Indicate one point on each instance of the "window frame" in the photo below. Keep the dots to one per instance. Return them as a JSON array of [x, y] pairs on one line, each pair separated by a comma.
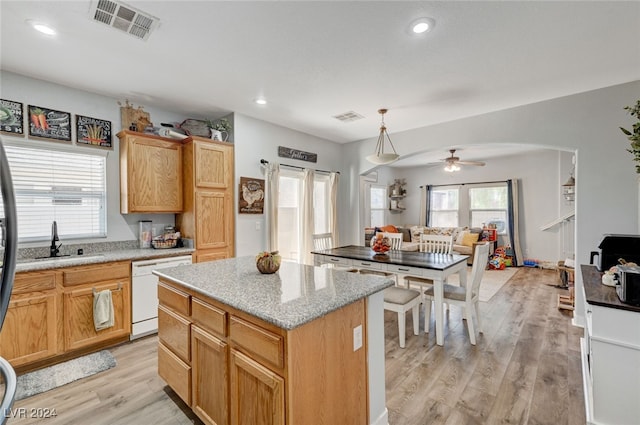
[[60, 198]]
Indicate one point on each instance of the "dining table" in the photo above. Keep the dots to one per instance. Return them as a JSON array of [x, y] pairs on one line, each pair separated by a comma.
[[437, 267]]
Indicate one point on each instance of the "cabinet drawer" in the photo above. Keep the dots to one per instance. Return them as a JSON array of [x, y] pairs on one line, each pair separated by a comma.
[[33, 281], [95, 273], [174, 299], [414, 271], [209, 317], [258, 341], [334, 260], [175, 372], [367, 265], [175, 333]]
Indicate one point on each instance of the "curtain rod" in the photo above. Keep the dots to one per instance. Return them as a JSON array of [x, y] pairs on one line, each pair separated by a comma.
[[463, 184], [265, 162]]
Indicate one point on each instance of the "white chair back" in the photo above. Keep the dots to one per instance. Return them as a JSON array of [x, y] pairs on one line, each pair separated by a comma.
[[395, 239], [480, 258], [438, 244], [322, 241]]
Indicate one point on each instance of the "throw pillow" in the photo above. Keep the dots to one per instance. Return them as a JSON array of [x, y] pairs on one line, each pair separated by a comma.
[[389, 228], [460, 237], [416, 231], [469, 238]]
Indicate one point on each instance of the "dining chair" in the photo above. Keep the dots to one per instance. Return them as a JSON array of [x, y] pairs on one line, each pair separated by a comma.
[[322, 241], [395, 239], [465, 297], [401, 300], [437, 244]]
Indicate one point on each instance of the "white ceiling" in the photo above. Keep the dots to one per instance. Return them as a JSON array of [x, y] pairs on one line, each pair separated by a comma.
[[313, 60]]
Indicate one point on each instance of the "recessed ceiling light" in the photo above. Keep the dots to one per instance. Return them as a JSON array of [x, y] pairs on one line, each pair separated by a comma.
[[261, 101], [41, 27], [422, 25]]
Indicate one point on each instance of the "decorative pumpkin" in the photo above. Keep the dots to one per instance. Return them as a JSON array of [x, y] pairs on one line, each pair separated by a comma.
[[268, 262]]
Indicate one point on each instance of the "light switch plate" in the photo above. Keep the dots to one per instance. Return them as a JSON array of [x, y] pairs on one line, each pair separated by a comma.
[[357, 338]]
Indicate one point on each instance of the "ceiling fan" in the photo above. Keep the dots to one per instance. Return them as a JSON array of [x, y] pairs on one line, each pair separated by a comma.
[[453, 162]]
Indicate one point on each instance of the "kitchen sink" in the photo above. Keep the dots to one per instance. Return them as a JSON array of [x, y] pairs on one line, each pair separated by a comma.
[[57, 260]]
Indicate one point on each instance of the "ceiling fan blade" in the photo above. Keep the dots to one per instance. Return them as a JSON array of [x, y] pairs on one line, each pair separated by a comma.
[[480, 163]]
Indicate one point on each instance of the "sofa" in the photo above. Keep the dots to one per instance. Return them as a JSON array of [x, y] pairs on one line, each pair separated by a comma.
[[464, 239]]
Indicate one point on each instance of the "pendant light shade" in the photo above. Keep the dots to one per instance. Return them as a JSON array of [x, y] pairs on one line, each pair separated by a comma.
[[379, 157]]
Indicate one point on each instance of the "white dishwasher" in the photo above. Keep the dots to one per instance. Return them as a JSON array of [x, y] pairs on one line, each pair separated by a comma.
[[144, 293]]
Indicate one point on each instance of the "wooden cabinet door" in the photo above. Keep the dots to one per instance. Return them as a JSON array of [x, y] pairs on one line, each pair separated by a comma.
[[29, 332], [204, 256], [153, 175], [213, 166], [79, 329], [257, 393], [209, 377], [213, 219]]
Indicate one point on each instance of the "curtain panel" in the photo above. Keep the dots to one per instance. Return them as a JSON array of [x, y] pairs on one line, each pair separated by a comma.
[[272, 177]]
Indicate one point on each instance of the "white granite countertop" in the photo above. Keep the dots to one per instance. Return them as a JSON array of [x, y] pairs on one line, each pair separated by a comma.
[[293, 296], [26, 265]]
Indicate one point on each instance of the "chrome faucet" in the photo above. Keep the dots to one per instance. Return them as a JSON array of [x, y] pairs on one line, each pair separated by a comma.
[[54, 250]]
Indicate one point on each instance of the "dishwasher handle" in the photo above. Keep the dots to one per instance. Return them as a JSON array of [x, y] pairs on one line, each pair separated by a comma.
[[145, 267]]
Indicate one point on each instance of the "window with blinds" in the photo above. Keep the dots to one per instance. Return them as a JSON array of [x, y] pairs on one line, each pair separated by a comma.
[[64, 186]]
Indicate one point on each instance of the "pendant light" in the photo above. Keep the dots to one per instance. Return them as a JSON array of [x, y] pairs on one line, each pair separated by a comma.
[[379, 157]]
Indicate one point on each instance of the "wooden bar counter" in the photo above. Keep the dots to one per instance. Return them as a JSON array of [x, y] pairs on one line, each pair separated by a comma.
[[302, 346]]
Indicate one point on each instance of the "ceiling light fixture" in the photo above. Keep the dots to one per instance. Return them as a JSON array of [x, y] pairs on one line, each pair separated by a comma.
[[451, 168], [379, 157], [422, 25], [261, 101], [42, 28]]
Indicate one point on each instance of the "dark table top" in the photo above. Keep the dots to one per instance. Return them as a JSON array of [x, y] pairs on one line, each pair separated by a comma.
[[425, 260], [599, 294]]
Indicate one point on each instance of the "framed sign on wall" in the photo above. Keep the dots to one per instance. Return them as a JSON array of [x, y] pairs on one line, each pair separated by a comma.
[[251, 199], [93, 131], [11, 117], [49, 124]]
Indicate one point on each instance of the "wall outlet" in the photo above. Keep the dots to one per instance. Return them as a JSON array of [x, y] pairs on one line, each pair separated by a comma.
[[258, 226], [357, 338]]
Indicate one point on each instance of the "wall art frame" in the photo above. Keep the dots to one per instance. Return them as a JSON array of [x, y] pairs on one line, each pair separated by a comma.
[[94, 132], [11, 117], [49, 124]]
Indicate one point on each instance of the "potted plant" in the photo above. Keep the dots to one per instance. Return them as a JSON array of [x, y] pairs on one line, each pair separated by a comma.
[[218, 127], [634, 134]]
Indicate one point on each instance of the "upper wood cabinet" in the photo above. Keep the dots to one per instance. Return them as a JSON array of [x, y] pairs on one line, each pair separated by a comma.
[[208, 213], [150, 174]]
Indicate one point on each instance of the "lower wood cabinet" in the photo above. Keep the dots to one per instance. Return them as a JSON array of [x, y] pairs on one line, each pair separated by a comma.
[[51, 313], [257, 393], [241, 370], [79, 330], [209, 395], [32, 326], [175, 372], [29, 332]]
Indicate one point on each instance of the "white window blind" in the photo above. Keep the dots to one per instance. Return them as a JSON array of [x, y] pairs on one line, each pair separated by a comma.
[[67, 187]]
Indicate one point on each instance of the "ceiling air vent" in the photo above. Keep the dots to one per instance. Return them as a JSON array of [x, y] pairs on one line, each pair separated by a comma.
[[348, 116], [123, 17]]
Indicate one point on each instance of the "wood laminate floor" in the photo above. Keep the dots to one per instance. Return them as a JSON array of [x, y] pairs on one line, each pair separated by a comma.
[[524, 370]]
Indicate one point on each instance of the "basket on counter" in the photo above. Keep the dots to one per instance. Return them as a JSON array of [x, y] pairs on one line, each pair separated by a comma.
[[164, 244]]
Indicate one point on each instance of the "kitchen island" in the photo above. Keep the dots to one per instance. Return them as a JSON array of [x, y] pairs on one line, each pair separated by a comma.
[[302, 346]]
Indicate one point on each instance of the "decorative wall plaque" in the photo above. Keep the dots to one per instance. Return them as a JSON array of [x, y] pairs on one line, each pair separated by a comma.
[[251, 199], [296, 154], [11, 117]]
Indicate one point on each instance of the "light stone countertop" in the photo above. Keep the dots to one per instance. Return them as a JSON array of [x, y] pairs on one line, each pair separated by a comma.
[[291, 297], [26, 265]]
